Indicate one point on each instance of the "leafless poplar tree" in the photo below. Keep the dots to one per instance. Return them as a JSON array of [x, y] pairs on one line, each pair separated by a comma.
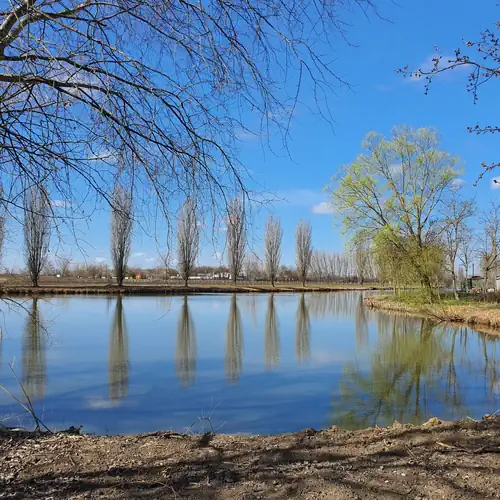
[[253, 267], [37, 227], [80, 80], [63, 264], [466, 256], [272, 242], [2, 226], [362, 259], [489, 242], [455, 215], [303, 250], [236, 237], [318, 270], [188, 239], [121, 231]]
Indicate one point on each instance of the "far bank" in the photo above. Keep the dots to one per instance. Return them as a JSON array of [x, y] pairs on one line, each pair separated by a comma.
[[147, 289]]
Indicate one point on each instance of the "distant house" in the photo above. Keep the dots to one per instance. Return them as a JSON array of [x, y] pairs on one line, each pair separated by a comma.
[[475, 282], [221, 276]]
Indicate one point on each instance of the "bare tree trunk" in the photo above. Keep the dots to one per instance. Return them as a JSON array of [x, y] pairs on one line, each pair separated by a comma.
[[454, 284], [466, 266]]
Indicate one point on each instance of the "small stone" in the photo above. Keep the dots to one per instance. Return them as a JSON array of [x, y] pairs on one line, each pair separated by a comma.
[[432, 422]]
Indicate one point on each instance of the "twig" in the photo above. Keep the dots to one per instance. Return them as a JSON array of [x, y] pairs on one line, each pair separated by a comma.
[[202, 419], [28, 406], [492, 414]]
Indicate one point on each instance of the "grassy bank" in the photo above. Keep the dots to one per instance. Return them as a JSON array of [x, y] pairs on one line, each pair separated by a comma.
[[158, 289], [432, 461], [470, 312]]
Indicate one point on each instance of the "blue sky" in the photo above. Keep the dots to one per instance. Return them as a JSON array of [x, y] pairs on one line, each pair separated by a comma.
[[377, 100]]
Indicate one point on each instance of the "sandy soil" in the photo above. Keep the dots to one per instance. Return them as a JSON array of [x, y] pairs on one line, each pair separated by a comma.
[[433, 461]]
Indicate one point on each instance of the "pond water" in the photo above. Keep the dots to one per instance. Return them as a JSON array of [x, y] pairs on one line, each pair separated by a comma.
[[251, 363]]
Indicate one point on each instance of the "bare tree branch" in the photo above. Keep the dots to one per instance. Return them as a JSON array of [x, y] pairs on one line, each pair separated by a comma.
[[170, 84]]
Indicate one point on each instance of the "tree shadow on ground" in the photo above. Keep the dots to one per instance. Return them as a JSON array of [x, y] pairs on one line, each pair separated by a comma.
[[455, 461]]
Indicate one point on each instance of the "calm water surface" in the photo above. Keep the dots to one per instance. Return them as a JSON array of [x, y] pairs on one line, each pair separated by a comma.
[[252, 363]]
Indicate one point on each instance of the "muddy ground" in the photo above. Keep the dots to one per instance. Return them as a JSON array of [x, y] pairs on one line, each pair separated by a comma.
[[444, 461]]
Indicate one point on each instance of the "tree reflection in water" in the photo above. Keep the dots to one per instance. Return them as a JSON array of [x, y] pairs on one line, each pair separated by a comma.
[[361, 323], [414, 362], [34, 375], [185, 347], [118, 364], [234, 342], [271, 335], [302, 331]]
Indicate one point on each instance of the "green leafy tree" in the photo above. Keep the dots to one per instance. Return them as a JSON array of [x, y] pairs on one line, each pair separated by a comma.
[[397, 185]]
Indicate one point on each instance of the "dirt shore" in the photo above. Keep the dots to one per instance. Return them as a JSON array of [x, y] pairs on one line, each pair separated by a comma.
[[485, 317], [173, 290], [432, 461]]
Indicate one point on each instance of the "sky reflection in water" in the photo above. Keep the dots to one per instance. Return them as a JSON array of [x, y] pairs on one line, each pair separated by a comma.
[[253, 363]]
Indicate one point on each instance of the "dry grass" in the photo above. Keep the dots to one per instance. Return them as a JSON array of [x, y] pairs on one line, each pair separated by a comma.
[[483, 315], [148, 288]]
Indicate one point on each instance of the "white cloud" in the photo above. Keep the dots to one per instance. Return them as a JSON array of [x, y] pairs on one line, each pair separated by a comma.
[[60, 203], [457, 184], [100, 260], [217, 256], [137, 255], [323, 208], [100, 404], [246, 135], [150, 259], [495, 183]]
